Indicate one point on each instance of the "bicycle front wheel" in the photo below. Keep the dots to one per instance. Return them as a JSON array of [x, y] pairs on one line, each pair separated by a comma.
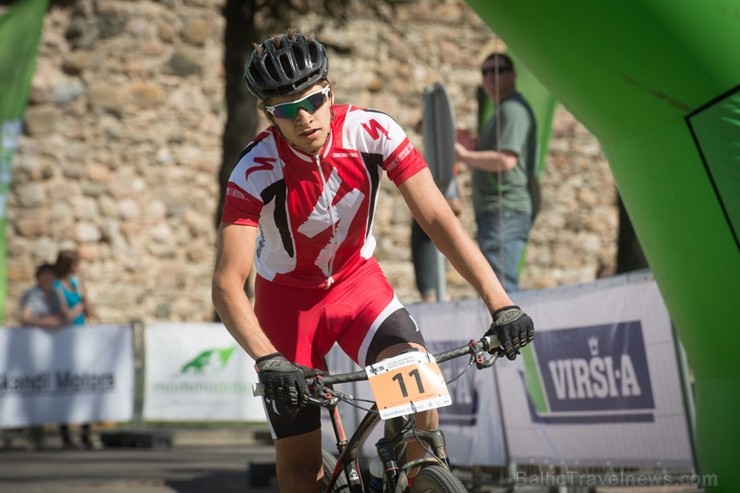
[[328, 462], [436, 479]]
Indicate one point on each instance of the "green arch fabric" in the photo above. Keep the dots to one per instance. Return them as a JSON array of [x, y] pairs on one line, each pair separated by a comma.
[[658, 83], [20, 30]]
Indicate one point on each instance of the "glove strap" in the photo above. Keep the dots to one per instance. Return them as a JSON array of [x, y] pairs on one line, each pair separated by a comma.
[[508, 307], [266, 357]]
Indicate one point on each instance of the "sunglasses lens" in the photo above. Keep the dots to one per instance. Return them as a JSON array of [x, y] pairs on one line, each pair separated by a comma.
[[315, 102], [311, 103], [287, 110]]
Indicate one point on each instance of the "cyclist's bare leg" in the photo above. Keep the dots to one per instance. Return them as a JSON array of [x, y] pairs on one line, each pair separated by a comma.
[[298, 462], [426, 420]]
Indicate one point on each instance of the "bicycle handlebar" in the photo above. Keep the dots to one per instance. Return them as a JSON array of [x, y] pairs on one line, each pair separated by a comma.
[[473, 348]]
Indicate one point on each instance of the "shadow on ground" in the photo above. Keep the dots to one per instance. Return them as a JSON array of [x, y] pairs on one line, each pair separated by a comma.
[[220, 481]]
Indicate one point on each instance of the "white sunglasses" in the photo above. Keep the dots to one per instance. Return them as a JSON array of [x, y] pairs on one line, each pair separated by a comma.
[[289, 110]]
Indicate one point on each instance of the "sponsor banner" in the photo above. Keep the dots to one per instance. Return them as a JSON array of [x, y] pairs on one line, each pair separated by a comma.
[[198, 372], [472, 424], [601, 383], [70, 375]]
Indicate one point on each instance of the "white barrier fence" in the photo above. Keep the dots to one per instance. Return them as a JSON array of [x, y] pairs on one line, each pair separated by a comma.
[[71, 375], [600, 386], [197, 372]]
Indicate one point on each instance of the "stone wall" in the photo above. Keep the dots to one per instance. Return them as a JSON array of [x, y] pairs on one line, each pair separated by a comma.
[[121, 149]]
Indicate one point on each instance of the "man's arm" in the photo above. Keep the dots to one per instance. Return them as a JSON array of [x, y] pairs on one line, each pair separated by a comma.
[[494, 161], [45, 322], [234, 255], [431, 211]]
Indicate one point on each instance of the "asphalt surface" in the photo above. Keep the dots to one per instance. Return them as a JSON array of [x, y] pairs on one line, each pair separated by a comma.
[[220, 462], [194, 461]]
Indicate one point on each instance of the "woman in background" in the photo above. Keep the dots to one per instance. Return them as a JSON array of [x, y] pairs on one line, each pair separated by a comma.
[[70, 288], [75, 305]]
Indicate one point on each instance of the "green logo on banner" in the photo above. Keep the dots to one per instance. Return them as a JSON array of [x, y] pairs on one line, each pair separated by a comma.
[[209, 361]]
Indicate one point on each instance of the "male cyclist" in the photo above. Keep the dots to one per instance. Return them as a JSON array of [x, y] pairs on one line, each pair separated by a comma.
[[300, 203]]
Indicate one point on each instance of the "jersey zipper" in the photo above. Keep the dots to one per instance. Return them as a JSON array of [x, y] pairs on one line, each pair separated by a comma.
[[332, 219]]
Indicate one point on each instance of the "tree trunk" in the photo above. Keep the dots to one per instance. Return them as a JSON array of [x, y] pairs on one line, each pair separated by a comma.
[[241, 106]]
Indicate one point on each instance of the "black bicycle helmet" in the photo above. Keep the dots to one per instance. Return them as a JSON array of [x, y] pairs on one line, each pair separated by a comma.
[[285, 65]]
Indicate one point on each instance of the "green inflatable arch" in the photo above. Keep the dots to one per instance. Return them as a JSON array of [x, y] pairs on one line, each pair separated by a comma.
[[658, 83]]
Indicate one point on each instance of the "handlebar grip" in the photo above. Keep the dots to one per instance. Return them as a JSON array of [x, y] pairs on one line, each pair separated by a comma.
[[258, 389], [492, 342]]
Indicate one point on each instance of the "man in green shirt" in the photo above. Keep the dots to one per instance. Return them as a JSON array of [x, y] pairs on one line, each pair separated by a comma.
[[502, 160]]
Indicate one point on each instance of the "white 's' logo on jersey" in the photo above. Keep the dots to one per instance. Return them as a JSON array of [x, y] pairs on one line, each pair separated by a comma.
[[342, 214]]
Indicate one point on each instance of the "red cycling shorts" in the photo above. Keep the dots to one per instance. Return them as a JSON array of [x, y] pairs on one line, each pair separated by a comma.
[[361, 313]]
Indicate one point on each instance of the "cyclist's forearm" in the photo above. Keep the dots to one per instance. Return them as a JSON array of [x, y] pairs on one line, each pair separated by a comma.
[[467, 259], [236, 313], [431, 211]]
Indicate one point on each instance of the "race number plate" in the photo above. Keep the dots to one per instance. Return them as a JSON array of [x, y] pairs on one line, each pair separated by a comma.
[[406, 384]]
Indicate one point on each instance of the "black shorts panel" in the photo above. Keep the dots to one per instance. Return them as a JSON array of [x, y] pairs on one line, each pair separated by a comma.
[[397, 328], [307, 419]]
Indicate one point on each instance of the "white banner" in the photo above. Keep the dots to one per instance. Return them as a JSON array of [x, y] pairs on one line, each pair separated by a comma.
[[601, 384], [70, 375], [198, 372], [472, 424]]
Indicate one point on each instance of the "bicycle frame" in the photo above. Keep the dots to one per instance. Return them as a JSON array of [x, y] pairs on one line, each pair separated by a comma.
[[349, 450]]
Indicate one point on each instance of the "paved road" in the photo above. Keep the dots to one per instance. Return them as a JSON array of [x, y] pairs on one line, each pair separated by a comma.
[[198, 463], [205, 461], [222, 469]]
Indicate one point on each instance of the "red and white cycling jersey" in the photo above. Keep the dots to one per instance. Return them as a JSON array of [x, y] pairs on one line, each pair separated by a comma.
[[315, 212]]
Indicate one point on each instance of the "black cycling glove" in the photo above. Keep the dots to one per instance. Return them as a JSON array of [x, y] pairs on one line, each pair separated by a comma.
[[513, 328], [285, 383]]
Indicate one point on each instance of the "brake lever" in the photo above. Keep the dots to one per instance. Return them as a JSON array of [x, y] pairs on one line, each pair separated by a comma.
[[478, 355], [482, 362]]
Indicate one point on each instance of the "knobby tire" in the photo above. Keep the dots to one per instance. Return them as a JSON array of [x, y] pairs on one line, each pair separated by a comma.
[[436, 479], [328, 462]]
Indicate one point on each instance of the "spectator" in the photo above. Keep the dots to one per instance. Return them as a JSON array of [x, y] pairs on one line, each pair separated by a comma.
[[503, 160], [75, 305], [70, 288], [40, 305]]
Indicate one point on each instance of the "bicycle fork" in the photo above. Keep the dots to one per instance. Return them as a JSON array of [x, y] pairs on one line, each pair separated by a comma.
[[392, 450]]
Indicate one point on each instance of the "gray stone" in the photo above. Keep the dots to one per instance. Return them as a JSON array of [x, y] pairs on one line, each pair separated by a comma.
[[40, 121], [64, 93], [86, 231], [31, 194], [183, 64]]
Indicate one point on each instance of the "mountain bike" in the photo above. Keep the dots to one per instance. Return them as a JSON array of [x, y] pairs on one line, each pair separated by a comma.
[[402, 385]]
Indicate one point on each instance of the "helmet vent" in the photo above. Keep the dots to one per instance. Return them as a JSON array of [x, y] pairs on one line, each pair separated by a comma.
[[287, 66], [299, 59], [313, 53]]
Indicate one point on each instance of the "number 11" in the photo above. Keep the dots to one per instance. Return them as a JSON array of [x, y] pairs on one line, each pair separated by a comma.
[[413, 373]]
